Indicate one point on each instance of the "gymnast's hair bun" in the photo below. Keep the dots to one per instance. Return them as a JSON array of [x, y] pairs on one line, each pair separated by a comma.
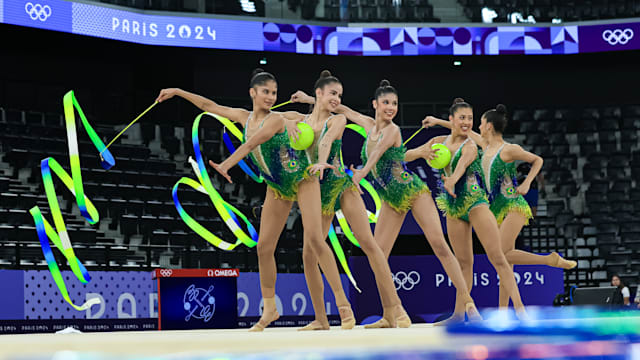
[[458, 101], [325, 74], [501, 109], [384, 83], [256, 71]]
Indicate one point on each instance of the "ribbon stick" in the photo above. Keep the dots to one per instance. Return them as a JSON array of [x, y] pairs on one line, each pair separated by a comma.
[[128, 126], [73, 183], [411, 137], [283, 104]]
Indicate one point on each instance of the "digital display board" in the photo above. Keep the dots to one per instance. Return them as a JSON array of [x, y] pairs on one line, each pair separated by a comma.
[[208, 32]]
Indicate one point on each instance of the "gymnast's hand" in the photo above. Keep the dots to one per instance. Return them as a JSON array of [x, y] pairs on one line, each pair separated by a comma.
[[523, 189], [358, 175], [166, 94], [319, 168], [292, 129], [219, 168], [449, 185], [301, 97], [429, 121], [428, 152]]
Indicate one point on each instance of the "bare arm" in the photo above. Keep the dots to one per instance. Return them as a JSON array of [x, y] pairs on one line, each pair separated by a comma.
[[625, 296], [335, 129], [365, 121], [301, 97], [469, 154], [430, 121], [292, 118], [514, 152], [272, 126], [423, 151], [234, 114], [389, 137], [292, 115]]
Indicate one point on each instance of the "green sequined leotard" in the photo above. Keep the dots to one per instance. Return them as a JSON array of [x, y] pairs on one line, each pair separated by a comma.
[[281, 166], [469, 189], [334, 182], [500, 179], [396, 185]]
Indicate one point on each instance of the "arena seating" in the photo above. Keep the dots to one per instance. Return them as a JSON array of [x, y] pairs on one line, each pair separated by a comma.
[[358, 10], [546, 10], [408, 10]]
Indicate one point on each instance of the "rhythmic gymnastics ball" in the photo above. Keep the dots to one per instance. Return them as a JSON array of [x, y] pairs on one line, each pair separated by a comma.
[[443, 156], [305, 137]]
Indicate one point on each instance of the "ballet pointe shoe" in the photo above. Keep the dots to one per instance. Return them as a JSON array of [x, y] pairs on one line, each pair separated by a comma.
[[472, 312], [399, 318], [380, 324], [347, 320], [315, 325], [455, 318], [269, 303], [402, 319], [560, 262]]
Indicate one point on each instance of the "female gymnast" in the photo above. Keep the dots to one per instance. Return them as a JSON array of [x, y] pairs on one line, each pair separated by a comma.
[[465, 205], [285, 172], [338, 192], [401, 191], [505, 195]]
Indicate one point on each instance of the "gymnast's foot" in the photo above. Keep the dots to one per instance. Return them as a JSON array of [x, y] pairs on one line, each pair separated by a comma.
[[472, 312], [269, 315], [347, 320], [393, 316], [456, 318], [315, 325], [560, 262]]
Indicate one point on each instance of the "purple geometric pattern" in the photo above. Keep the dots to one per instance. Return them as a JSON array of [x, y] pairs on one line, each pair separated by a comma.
[[403, 41]]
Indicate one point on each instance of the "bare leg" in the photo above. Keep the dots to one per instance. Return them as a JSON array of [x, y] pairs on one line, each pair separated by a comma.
[[426, 215], [461, 241], [486, 227], [314, 281], [509, 230], [310, 205], [388, 228], [356, 214], [386, 233], [272, 220]]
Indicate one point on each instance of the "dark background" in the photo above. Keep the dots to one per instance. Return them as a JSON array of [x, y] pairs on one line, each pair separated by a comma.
[[114, 80]]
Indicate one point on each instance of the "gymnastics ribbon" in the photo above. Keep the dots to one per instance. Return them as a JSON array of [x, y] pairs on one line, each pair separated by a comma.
[[344, 225], [233, 129], [228, 212], [60, 236]]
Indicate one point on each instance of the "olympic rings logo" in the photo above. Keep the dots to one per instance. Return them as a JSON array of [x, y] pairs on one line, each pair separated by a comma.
[[166, 272], [37, 11], [406, 281], [617, 36]]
